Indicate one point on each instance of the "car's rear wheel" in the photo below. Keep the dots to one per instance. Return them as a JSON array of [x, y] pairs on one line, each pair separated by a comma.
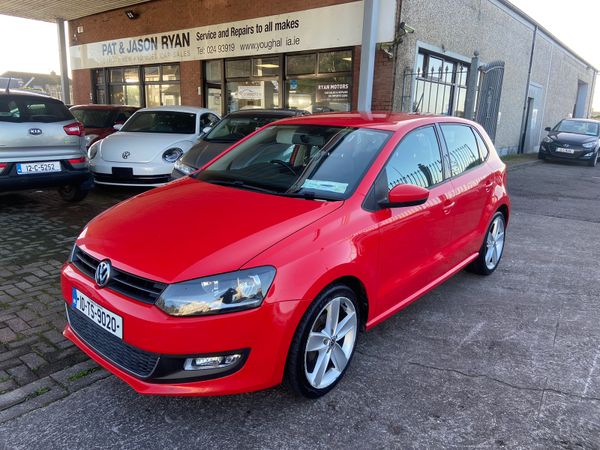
[[324, 343], [493, 247], [73, 192]]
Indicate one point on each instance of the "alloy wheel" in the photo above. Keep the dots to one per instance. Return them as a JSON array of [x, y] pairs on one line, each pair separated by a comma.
[[330, 342], [494, 243]]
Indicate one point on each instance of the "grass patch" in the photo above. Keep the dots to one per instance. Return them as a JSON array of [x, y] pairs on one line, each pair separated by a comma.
[[83, 373], [518, 158], [39, 392]]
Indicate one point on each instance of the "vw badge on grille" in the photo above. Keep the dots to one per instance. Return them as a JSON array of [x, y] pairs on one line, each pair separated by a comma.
[[103, 273], [35, 131], [126, 155]]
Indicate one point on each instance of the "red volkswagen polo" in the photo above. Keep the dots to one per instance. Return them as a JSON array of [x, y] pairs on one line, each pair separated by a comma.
[[270, 260]]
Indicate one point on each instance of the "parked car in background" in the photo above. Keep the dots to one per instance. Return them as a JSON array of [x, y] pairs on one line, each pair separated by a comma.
[[572, 140], [228, 131], [99, 120], [41, 146], [288, 244], [146, 147]]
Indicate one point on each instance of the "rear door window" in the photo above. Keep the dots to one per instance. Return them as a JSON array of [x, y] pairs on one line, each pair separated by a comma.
[[462, 148], [9, 111], [416, 160]]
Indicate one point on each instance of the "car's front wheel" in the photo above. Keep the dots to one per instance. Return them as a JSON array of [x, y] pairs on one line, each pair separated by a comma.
[[493, 247], [594, 161], [73, 192], [324, 342]]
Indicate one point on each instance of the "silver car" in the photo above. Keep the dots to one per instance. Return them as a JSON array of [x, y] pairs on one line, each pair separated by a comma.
[[41, 145]]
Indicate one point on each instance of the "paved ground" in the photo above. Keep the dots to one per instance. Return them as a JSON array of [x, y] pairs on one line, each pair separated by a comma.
[[511, 360]]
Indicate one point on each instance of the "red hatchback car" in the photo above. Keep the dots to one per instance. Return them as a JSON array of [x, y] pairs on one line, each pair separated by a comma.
[[268, 261], [99, 120]]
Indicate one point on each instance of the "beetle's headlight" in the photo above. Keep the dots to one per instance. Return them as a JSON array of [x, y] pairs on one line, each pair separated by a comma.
[[173, 154], [590, 144], [228, 292], [89, 138], [183, 167], [93, 150]]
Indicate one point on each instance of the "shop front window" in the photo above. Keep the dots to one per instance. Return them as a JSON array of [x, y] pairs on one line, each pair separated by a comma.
[[162, 85], [213, 79], [319, 82], [252, 94], [138, 86]]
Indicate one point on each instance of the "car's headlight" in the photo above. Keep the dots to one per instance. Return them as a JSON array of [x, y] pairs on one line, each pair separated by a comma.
[[228, 292], [590, 144], [548, 139], [183, 167], [93, 150], [173, 154], [89, 138]]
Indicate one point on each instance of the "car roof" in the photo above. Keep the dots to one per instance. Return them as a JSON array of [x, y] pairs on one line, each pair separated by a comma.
[[188, 109], [375, 120], [27, 93], [581, 120], [275, 112], [94, 106]]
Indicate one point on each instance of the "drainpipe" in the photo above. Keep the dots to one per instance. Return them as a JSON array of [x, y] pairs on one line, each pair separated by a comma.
[[523, 117], [62, 54], [367, 55]]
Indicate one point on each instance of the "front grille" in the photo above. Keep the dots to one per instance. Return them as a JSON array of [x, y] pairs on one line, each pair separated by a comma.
[[134, 360], [132, 286]]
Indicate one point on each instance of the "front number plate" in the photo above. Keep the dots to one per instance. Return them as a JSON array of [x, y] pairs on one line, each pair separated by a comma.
[[38, 167], [570, 151], [102, 317]]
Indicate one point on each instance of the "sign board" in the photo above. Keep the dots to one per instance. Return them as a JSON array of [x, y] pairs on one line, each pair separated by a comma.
[[326, 27], [333, 92]]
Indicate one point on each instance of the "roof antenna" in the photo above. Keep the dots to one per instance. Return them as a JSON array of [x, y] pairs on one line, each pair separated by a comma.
[[8, 84]]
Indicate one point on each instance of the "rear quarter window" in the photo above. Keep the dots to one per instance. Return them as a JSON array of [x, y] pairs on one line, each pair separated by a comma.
[[463, 151]]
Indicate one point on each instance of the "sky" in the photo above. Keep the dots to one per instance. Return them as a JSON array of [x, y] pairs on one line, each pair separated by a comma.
[[36, 49]]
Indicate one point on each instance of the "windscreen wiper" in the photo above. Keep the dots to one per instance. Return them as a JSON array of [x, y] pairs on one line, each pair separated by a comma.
[[242, 185]]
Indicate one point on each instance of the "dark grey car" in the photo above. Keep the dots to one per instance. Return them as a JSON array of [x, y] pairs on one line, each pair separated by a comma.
[[572, 140], [41, 145], [227, 132]]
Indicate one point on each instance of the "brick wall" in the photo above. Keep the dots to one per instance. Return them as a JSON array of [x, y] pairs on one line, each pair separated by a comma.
[[81, 87]]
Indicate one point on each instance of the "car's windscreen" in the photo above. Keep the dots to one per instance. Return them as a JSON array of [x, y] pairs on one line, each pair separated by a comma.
[[32, 109], [161, 122], [310, 161], [232, 129], [94, 118], [578, 127]]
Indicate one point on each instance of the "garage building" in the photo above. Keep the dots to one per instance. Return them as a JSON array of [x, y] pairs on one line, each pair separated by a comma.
[[483, 59]]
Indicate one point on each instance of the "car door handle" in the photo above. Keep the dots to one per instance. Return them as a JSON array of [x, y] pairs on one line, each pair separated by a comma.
[[448, 205]]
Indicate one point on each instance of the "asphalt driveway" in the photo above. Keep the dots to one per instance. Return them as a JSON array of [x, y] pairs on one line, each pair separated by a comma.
[[511, 360]]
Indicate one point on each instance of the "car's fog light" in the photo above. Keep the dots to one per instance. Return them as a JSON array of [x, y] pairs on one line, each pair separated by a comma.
[[211, 362], [588, 154]]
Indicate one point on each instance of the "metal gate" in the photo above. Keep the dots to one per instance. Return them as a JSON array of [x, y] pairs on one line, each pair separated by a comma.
[[490, 90]]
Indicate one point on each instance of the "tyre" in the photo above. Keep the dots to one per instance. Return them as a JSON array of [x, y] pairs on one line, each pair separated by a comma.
[[324, 342], [492, 249], [594, 161], [541, 155], [73, 193]]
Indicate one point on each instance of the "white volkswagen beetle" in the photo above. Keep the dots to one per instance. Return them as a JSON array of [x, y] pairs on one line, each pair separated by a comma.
[[145, 148]]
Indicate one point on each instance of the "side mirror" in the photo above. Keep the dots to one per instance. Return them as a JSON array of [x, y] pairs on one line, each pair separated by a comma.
[[118, 126], [548, 129], [205, 130], [405, 195]]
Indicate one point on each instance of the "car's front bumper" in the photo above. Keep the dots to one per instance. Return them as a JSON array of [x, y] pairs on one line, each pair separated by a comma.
[[262, 334], [579, 154], [131, 174]]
